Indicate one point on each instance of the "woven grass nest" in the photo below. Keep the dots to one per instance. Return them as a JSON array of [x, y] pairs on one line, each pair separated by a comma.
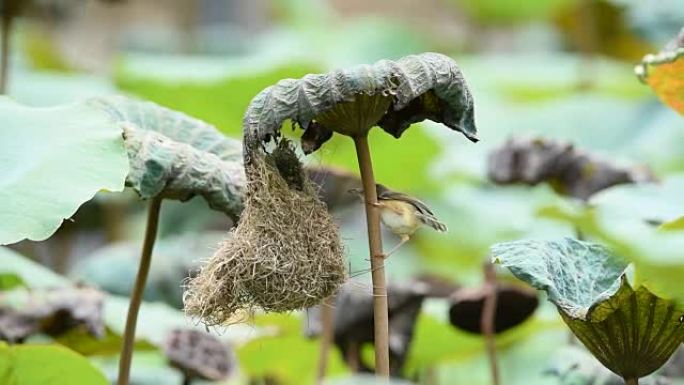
[[285, 253]]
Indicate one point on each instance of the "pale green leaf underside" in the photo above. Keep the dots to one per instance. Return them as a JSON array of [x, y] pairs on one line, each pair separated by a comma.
[[633, 333], [51, 161], [575, 274], [46, 365], [178, 157]]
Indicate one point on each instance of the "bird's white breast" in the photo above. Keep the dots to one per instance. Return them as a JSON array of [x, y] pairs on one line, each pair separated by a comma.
[[400, 220]]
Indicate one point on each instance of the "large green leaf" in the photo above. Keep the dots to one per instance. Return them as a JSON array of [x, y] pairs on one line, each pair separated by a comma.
[[521, 363], [178, 157], [29, 273], [263, 357], [113, 267], [220, 99], [46, 365], [505, 12], [657, 203], [576, 275], [53, 160], [632, 332]]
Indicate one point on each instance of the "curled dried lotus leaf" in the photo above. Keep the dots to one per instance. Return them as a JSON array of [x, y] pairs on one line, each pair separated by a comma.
[[569, 171], [389, 94], [176, 156]]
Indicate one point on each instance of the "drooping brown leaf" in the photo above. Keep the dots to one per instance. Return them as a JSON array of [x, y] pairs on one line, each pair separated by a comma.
[[568, 170], [199, 355], [53, 312]]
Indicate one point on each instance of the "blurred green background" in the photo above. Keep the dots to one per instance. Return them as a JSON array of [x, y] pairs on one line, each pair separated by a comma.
[[559, 69]]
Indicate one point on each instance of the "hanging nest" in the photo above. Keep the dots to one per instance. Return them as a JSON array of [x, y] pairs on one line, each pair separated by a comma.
[[285, 253]]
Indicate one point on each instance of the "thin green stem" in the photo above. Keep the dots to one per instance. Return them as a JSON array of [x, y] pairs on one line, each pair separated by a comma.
[[380, 312], [138, 289]]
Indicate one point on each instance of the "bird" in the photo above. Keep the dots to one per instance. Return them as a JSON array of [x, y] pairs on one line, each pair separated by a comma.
[[402, 214]]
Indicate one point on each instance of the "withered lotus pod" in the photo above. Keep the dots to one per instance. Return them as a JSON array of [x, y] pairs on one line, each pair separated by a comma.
[[514, 305], [632, 332], [199, 355]]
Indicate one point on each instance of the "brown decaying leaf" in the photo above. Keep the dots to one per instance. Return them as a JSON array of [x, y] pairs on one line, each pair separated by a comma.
[[54, 312], [199, 355], [568, 170]]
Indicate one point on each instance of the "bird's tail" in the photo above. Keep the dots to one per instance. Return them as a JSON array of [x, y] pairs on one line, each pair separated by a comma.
[[433, 222]]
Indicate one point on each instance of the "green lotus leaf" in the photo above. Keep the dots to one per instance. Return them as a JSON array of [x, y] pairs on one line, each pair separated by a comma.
[[46, 365], [657, 203], [632, 332], [664, 72], [178, 157], [390, 94], [575, 274], [53, 160]]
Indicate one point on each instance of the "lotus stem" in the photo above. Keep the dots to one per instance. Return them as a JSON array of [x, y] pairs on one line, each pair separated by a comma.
[[327, 332], [631, 381], [377, 259], [487, 322], [7, 18], [138, 289]]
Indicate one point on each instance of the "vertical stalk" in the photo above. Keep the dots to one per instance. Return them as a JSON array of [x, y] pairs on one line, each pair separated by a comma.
[[138, 288], [488, 319], [7, 17], [327, 332], [380, 313], [631, 381]]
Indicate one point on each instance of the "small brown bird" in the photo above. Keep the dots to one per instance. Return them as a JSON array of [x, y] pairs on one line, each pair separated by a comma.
[[402, 214]]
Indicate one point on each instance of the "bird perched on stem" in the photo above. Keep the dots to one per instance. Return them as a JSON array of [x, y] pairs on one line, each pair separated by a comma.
[[402, 214]]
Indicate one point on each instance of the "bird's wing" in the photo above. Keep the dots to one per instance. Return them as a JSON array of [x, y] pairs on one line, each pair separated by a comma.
[[424, 213], [432, 221]]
